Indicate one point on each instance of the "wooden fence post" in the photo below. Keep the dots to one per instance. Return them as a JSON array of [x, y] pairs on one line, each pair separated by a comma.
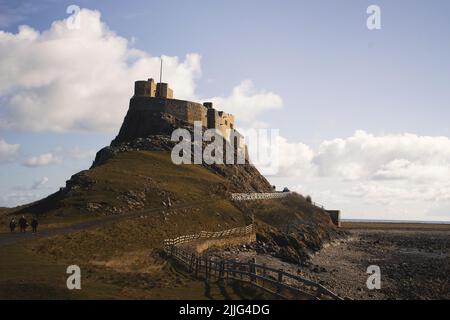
[[280, 280], [318, 293], [225, 266], [221, 272], [196, 266], [264, 274], [211, 271], [206, 268], [191, 263], [252, 269]]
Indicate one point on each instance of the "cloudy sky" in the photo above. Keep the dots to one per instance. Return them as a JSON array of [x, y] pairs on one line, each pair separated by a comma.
[[363, 115]]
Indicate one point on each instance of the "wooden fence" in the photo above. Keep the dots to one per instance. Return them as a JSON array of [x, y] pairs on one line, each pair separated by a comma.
[[235, 232], [277, 282]]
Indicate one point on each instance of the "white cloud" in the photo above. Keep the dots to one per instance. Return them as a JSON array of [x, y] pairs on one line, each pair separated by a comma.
[[42, 160], [21, 194], [246, 103], [81, 79], [295, 159], [385, 176], [402, 156], [407, 170], [8, 151], [39, 183]]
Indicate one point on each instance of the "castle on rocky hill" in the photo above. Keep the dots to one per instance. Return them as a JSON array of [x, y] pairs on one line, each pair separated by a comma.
[[148, 94]]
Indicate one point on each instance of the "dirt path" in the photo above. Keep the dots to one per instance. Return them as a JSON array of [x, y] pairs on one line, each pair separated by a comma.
[[9, 238]]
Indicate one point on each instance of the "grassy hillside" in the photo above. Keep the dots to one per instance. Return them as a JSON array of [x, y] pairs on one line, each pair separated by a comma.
[[122, 258], [129, 182]]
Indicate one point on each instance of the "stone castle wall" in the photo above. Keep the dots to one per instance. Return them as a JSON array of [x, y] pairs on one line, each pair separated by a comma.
[[220, 120], [181, 109], [186, 110], [150, 98]]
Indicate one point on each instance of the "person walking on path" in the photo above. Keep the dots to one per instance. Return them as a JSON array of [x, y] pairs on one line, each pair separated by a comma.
[[12, 224], [34, 224], [23, 224]]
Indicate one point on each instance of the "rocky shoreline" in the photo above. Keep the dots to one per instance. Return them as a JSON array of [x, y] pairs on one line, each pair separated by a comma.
[[413, 264]]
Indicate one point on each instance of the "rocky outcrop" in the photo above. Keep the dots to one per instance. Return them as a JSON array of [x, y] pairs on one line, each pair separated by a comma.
[[242, 177], [146, 129], [147, 117], [150, 143]]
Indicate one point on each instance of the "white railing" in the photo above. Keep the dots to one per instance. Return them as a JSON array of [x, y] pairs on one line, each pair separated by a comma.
[[258, 196]]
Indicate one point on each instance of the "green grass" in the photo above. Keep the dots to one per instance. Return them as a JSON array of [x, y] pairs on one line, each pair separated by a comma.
[[186, 182], [48, 222], [25, 274], [150, 173]]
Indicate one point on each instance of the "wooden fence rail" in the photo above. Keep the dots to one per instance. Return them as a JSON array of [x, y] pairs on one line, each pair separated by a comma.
[[235, 232], [274, 281]]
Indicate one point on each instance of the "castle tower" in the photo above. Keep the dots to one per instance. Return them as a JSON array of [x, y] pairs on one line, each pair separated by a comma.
[[145, 88], [219, 120], [151, 99], [140, 88], [151, 87], [163, 91]]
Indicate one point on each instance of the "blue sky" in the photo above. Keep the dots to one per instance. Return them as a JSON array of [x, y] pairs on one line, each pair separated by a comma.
[[333, 75]]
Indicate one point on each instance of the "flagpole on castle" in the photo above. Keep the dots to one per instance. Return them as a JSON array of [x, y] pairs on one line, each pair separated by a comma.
[[160, 71]]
